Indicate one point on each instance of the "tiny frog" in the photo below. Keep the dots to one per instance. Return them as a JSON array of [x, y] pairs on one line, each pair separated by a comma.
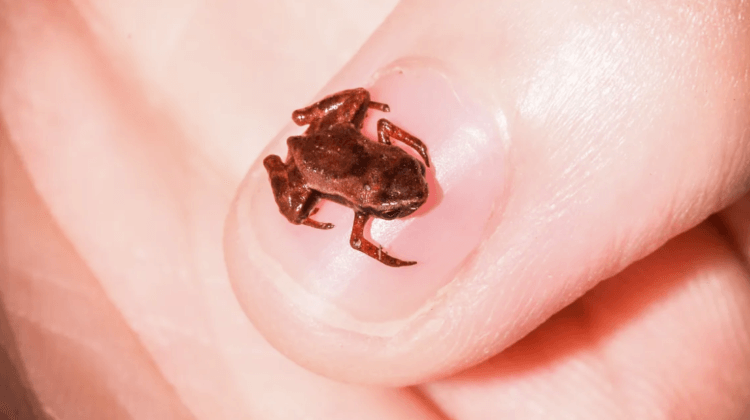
[[332, 160]]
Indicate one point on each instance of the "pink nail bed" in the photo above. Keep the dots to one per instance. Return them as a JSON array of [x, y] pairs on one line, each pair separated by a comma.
[[466, 184]]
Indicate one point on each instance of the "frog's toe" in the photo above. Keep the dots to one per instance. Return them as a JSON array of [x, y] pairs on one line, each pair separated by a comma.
[[395, 262], [316, 224]]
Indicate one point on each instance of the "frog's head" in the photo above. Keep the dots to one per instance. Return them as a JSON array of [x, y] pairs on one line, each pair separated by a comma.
[[403, 190]]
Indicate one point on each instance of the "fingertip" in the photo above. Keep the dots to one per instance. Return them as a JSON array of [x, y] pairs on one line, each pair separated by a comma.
[[334, 309], [525, 213]]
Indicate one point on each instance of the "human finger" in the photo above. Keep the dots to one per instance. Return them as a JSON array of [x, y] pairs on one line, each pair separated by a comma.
[[669, 337], [564, 149]]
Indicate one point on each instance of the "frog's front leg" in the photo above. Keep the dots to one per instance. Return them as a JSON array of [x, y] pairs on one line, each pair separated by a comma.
[[387, 129], [295, 200], [358, 242], [348, 106]]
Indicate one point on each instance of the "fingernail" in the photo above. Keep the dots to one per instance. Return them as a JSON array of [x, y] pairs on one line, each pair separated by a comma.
[[466, 191]]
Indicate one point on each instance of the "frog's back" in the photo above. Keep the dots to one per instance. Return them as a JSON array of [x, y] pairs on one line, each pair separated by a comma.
[[340, 161]]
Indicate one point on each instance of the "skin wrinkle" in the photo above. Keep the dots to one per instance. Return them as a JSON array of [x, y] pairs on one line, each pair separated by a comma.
[[593, 300], [181, 171], [105, 73], [27, 319], [595, 348], [720, 223], [23, 402], [725, 223], [114, 407], [740, 343], [680, 214], [87, 294]]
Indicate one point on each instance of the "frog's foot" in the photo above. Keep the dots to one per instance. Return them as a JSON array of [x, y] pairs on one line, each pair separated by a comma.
[[314, 223], [387, 129], [361, 244]]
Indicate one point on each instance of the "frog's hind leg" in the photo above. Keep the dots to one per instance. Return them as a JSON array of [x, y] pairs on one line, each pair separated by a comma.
[[348, 106], [358, 242], [295, 200], [387, 129]]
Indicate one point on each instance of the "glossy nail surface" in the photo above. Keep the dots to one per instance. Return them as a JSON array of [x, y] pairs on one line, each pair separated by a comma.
[[466, 182]]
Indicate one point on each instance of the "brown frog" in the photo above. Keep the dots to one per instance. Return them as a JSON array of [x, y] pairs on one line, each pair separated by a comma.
[[332, 160]]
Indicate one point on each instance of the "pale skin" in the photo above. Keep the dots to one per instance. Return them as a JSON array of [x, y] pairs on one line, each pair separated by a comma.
[[127, 130]]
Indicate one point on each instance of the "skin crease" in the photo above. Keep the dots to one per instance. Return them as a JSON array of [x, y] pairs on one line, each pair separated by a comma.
[[127, 128]]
